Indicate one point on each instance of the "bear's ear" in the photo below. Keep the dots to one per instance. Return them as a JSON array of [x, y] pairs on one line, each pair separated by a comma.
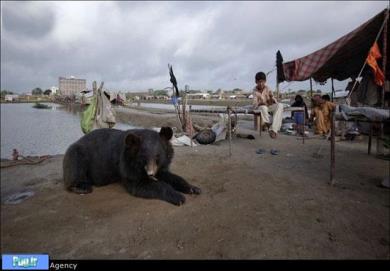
[[133, 141], [166, 133]]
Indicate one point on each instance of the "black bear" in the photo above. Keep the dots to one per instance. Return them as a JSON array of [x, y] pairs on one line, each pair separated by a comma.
[[138, 158]]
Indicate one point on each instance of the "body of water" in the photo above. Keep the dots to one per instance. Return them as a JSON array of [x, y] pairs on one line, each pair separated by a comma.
[[40, 131]]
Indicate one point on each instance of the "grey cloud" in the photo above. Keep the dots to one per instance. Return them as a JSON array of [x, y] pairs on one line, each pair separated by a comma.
[[22, 18], [210, 44]]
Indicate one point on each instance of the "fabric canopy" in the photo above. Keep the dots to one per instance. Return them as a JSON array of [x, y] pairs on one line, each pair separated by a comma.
[[339, 60]]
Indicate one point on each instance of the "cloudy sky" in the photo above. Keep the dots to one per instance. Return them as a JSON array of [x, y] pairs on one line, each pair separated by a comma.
[[128, 45]]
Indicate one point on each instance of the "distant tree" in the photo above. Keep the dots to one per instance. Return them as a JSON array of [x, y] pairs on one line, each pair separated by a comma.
[[5, 92], [36, 91], [47, 92], [160, 93]]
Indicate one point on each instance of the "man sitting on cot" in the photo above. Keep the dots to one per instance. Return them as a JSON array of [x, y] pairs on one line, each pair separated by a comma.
[[264, 101]]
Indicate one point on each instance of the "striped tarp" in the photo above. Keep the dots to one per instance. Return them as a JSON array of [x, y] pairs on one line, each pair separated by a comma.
[[341, 59]]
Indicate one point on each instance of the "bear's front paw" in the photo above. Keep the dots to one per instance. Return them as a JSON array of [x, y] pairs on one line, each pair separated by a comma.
[[176, 198], [195, 190]]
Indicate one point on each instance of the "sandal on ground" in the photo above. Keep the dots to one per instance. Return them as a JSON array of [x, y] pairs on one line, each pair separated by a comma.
[[260, 151]]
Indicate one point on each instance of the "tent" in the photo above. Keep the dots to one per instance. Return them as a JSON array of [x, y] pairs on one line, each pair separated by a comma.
[[341, 59]]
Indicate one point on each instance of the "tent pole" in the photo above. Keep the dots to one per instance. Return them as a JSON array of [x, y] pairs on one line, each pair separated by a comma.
[[379, 138], [332, 88], [332, 144], [230, 130], [332, 149], [311, 88], [385, 56]]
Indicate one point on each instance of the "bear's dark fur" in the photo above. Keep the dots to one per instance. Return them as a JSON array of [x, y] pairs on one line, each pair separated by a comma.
[[138, 158]]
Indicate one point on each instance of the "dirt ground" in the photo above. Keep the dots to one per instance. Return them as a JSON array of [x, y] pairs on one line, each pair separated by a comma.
[[253, 206]]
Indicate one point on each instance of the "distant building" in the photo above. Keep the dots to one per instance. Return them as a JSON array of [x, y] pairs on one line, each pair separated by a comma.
[[71, 86], [54, 90], [11, 97], [198, 95]]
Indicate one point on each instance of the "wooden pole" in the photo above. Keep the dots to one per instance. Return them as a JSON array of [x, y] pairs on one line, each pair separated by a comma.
[[332, 143], [332, 150], [332, 89], [311, 88], [229, 131], [178, 117], [304, 122], [370, 139], [177, 108], [379, 137], [184, 114], [277, 85], [385, 33], [379, 142], [191, 128], [260, 123]]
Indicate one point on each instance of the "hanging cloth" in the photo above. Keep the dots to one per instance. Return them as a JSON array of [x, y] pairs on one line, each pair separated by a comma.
[[105, 117], [88, 116], [99, 113], [372, 57]]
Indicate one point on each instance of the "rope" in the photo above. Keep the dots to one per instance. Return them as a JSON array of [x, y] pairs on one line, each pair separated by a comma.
[[271, 71]]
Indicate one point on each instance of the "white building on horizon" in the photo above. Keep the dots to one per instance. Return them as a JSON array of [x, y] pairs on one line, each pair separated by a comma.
[[54, 90]]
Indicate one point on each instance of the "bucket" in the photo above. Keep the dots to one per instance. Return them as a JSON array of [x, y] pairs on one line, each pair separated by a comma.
[[299, 117]]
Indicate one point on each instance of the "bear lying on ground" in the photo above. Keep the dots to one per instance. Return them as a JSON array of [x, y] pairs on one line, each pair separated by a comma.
[[138, 158]]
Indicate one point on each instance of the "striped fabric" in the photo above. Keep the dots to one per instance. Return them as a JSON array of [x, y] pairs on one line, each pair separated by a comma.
[[340, 59]]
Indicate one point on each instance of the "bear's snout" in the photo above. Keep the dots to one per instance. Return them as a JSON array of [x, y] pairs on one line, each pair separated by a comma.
[[151, 168]]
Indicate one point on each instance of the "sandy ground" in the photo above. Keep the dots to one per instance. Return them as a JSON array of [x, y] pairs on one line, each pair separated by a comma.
[[253, 206]]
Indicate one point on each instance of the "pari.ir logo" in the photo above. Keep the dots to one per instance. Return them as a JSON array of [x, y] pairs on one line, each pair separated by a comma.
[[25, 262]]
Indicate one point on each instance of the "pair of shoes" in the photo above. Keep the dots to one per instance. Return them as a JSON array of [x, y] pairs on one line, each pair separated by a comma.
[[262, 151], [272, 134]]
